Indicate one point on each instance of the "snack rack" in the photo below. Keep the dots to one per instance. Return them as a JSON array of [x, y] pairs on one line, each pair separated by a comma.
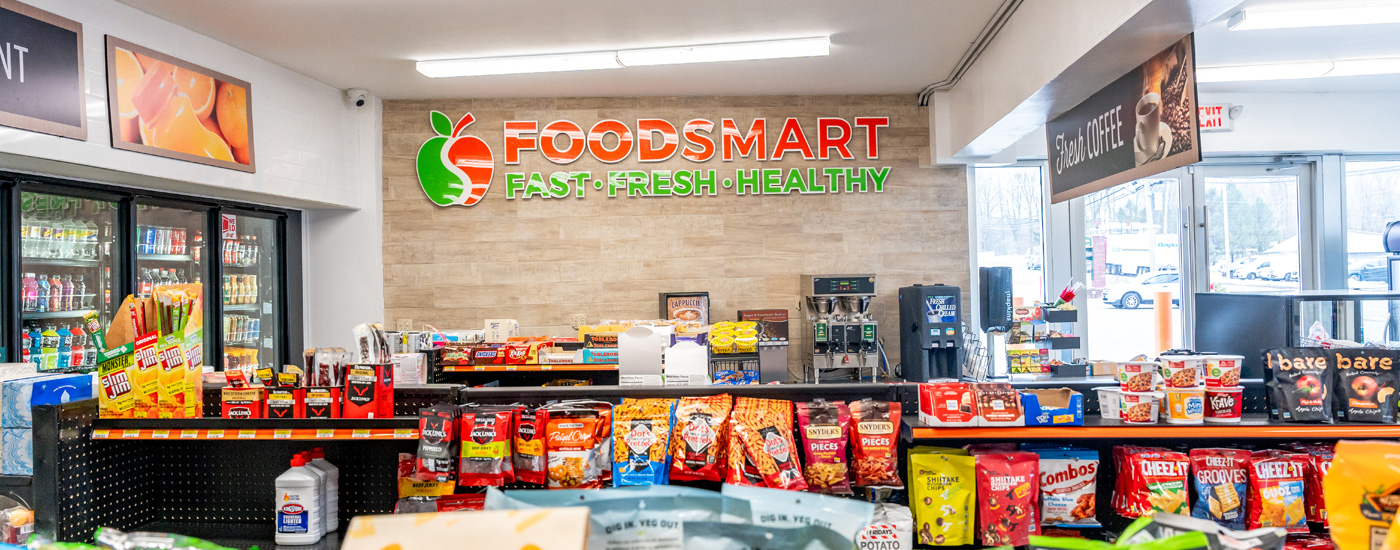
[[1031, 357]]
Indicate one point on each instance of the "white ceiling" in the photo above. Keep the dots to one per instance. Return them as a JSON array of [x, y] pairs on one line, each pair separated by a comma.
[[1216, 46], [894, 46]]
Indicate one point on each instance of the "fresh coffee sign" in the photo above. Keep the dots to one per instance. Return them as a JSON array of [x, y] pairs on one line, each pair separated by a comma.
[[41, 71], [456, 168], [1142, 124]]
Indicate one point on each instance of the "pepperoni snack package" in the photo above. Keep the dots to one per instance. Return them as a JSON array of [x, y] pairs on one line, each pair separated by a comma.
[[825, 427], [874, 443], [487, 459], [699, 438], [530, 464], [1366, 384], [1220, 479], [1068, 487], [1301, 389], [1276, 491], [1007, 498], [1159, 482], [763, 428], [572, 441]]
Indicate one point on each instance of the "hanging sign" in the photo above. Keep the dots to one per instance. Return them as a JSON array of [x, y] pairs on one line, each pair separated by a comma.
[[41, 71], [456, 168], [1142, 124], [1216, 118]]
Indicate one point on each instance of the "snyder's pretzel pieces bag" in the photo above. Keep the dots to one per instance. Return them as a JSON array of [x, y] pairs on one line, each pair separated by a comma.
[[699, 438], [875, 443], [1276, 491], [824, 426], [1362, 490]]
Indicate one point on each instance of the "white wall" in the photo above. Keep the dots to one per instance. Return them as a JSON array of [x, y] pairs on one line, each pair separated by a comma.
[[1308, 123]]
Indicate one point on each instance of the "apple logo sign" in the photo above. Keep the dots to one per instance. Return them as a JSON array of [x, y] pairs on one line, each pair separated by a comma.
[[453, 168]]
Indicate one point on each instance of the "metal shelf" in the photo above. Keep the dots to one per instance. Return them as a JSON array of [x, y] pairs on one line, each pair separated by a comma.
[[60, 262], [55, 314], [241, 307], [531, 368], [257, 429], [166, 257], [1252, 426]]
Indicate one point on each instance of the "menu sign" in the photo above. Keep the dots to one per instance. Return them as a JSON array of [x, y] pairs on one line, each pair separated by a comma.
[[41, 71], [1142, 124]]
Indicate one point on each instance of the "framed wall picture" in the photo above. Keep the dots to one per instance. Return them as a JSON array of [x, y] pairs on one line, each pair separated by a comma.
[[169, 107], [41, 71]]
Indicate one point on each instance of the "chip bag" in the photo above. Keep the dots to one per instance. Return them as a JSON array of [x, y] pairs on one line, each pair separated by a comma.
[[1320, 462], [1159, 482], [1276, 491], [874, 443], [1007, 497], [824, 426], [572, 438], [943, 494], [1362, 491], [643, 428], [1301, 385], [1068, 487], [1220, 478], [699, 438], [762, 430]]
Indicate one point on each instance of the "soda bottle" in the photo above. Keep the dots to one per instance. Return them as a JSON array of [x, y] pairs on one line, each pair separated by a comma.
[[48, 347], [181, 235], [253, 250], [198, 249], [42, 294], [89, 239], [55, 293], [67, 299], [84, 300], [180, 278], [147, 285]]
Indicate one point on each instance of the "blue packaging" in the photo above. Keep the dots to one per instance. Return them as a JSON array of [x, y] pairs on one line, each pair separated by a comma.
[[17, 452], [20, 395], [636, 434], [1058, 407]]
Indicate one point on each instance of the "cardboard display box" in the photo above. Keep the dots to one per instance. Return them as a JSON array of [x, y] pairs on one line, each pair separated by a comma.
[[1057, 407]]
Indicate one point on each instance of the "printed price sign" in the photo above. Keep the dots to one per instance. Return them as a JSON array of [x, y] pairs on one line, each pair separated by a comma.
[[324, 433], [247, 434], [404, 433], [189, 434], [100, 434], [131, 434], [359, 433], [281, 434], [160, 434], [214, 434]]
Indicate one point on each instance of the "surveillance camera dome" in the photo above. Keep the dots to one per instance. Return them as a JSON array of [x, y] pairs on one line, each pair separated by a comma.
[[359, 96]]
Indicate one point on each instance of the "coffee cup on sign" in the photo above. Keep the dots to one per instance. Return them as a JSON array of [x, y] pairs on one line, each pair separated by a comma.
[[1149, 122]]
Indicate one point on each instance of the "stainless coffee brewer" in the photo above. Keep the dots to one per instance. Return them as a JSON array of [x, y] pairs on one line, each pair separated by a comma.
[[843, 338]]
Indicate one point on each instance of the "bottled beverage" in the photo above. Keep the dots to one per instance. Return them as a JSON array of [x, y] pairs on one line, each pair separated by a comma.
[[26, 241], [30, 293], [71, 229], [198, 245], [91, 354], [167, 276], [181, 235], [106, 287], [225, 290], [65, 348], [36, 338], [77, 347], [255, 332], [55, 293], [148, 239], [252, 289], [25, 345], [48, 348], [89, 239], [147, 284], [66, 301], [41, 304], [252, 250], [107, 238], [84, 300]]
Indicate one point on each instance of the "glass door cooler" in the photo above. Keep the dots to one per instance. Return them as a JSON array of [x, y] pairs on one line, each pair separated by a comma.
[[251, 290], [171, 249]]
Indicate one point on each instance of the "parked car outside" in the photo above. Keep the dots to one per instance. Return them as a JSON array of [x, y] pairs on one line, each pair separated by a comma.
[[1133, 293]]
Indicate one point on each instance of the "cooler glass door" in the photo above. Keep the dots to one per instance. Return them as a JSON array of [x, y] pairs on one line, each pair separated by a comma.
[[70, 265], [250, 291], [172, 248]]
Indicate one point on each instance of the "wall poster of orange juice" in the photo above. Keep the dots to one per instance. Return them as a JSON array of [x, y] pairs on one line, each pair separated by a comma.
[[173, 108]]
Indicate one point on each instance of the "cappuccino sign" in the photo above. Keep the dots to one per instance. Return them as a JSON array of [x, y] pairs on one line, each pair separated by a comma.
[[1142, 124], [456, 168]]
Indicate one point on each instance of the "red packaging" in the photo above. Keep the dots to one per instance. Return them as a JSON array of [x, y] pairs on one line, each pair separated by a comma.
[[283, 402], [486, 459], [1277, 491], [875, 443], [453, 503], [386, 391], [322, 402], [1160, 482], [1224, 404], [1319, 462], [947, 404], [531, 462], [369, 391], [824, 427], [489, 354], [1008, 497], [243, 402], [516, 354], [1308, 542], [437, 443], [700, 438]]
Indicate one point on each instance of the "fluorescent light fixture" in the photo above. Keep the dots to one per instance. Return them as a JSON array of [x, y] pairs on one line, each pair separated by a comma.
[[1326, 14], [587, 61], [738, 51], [520, 64], [1305, 69]]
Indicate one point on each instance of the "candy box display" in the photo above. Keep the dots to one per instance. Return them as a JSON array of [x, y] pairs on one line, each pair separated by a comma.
[[1057, 407], [243, 402], [946, 403], [998, 404]]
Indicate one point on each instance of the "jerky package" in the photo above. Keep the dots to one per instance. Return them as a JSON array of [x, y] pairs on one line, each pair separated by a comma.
[[824, 427], [530, 465], [1220, 479], [486, 451], [1366, 383], [437, 443], [875, 443], [1301, 389]]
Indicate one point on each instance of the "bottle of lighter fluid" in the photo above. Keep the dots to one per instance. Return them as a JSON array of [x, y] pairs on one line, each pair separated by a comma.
[[298, 512], [321, 478], [318, 458]]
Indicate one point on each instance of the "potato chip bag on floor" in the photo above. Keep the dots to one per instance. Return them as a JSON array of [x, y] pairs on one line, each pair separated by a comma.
[[1363, 491], [1007, 497], [943, 494], [643, 428], [1276, 492], [1220, 479]]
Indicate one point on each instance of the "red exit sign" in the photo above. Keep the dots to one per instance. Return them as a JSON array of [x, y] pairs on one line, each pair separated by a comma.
[[1215, 118]]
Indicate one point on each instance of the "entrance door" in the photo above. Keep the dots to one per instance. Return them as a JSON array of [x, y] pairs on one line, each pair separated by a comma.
[[1250, 234]]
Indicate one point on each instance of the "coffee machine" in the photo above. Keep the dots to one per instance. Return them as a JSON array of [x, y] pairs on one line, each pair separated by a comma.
[[930, 332], [844, 339]]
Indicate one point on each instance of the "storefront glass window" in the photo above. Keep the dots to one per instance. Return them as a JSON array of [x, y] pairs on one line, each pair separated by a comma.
[[1373, 200], [1253, 232], [1132, 245], [1009, 230]]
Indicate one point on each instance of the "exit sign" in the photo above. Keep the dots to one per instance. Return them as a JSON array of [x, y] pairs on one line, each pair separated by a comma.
[[1216, 118]]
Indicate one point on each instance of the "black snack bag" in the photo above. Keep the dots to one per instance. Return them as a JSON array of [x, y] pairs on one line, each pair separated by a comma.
[[1366, 384], [1302, 385], [437, 443]]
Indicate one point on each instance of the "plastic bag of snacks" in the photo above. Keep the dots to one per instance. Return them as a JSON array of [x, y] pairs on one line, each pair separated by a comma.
[[655, 516], [702, 424], [874, 443], [643, 428], [761, 433], [574, 434], [529, 459], [1220, 478], [1301, 385], [1364, 478], [1156, 481], [1276, 491], [437, 443], [825, 426], [1148, 530], [943, 493], [1068, 487], [780, 508], [1007, 497], [891, 528], [1366, 384], [113, 539], [486, 451], [708, 535]]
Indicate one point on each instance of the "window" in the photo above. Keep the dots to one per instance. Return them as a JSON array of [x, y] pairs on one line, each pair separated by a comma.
[[1373, 200], [1133, 240], [1009, 231]]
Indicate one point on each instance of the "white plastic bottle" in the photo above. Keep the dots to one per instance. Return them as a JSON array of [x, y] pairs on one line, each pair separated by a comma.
[[298, 512], [318, 458], [321, 477]]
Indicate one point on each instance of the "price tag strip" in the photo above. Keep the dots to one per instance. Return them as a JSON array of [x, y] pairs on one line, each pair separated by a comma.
[[261, 434]]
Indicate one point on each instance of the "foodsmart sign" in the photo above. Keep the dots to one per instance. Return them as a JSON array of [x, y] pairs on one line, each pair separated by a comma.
[[456, 168]]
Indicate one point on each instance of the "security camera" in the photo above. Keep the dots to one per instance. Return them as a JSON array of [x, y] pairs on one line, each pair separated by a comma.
[[358, 96]]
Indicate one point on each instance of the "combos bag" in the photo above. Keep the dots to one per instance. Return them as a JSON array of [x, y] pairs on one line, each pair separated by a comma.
[[875, 442], [486, 454], [1366, 380], [1068, 484], [1362, 491], [1006, 497], [943, 493], [824, 426], [698, 438], [1276, 491], [643, 428], [1220, 479], [1301, 385]]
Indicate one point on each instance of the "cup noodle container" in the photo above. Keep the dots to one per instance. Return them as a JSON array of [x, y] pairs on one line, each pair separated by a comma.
[[1223, 371], [1139, 407], [1224, 405], [1138, 376], [1182, 371], [1185, 405], [1110, 402]]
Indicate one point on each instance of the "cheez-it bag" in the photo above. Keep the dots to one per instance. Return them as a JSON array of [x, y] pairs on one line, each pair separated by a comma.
[[1276, 491]]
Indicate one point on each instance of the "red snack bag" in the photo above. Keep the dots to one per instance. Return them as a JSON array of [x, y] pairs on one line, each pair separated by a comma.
[[1276, 491], [700, 438], [1007, 497], [486, 459], [571, 445], [824, 426], [764, 430], [530, 460], [874, 443], [437, 443], [1319, 462], [1161, 482]]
